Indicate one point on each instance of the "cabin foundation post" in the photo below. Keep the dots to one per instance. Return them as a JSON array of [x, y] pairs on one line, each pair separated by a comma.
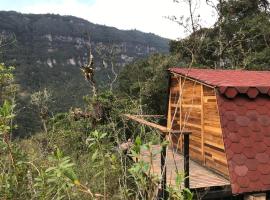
[[186, 158], [268, 195]]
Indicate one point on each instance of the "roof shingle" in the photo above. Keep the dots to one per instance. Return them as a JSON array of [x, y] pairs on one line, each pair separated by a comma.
[[249, 162], [231, 82]]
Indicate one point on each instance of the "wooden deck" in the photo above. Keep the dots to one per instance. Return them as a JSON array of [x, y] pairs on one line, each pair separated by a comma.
[[200, 177]]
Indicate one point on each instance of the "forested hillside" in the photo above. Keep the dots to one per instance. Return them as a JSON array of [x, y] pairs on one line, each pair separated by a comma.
[[48, 51]]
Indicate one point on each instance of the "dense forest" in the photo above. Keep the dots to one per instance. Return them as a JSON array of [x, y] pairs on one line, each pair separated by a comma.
[[79, 154]]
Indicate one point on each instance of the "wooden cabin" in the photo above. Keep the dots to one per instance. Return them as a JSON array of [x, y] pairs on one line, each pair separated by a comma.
[[228, 115], [193, 106]]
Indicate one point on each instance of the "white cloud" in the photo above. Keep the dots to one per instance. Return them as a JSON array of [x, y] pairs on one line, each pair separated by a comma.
[[144, 15]]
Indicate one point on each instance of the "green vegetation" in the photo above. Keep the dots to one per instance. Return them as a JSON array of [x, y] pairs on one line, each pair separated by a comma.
[[48, 51], [78, 158], [76, 154], [239, 39]]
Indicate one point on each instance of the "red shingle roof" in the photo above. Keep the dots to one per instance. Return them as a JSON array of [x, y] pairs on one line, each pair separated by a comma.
[[231, 82], [245, 123], [245, 126]]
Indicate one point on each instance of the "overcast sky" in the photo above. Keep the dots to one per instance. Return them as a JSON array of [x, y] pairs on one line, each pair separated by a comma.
[[143, 15]]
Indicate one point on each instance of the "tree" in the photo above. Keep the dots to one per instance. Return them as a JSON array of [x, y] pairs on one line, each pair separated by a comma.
[[145, 81], [191, 24], [7, 86], [245, 32], [239, 39], [41, 100], [109, 54]]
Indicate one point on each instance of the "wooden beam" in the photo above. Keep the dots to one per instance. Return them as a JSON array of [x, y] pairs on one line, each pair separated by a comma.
[[161, 128], [192, 79], [191, 106], [153, 116], [147, 123]]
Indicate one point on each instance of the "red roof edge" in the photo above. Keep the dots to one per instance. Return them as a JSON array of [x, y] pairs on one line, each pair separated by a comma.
[[230, 83]]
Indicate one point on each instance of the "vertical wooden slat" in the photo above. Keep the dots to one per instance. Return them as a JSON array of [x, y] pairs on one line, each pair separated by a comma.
[[169, 116], [180, 113], [202, 124]]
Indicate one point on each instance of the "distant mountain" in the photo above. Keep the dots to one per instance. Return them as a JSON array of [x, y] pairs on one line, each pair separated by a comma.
[[47, 51]]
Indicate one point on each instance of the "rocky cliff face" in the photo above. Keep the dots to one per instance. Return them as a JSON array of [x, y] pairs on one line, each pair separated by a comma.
[[47, 51]]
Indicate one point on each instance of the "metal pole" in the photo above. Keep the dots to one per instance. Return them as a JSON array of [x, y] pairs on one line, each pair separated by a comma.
[[186, 159]]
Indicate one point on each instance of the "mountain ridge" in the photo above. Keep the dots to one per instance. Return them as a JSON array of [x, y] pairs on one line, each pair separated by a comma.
[[48, 50]]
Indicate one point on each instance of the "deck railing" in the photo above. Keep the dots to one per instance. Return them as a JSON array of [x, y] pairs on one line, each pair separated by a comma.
[[164, 131], [186, 156]]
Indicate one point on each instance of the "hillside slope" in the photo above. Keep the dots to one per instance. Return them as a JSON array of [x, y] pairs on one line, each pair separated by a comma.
[[47, 51]]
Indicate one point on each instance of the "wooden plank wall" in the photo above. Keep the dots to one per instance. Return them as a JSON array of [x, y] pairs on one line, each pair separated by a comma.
[[213, 141], [173, 118], [196, 110]]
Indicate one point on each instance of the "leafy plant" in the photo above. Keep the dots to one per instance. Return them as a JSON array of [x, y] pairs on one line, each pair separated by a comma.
[[146, 181], [6, 117], [177, 192], [102, 158], [57, 181]]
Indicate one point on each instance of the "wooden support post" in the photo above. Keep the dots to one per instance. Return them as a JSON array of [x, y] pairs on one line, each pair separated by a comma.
[[163, 169], [268, 195], [186, 158], [163, 155], [163, 193]]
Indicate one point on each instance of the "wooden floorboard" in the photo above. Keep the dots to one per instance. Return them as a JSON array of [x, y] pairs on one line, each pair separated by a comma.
[[200, 177]]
